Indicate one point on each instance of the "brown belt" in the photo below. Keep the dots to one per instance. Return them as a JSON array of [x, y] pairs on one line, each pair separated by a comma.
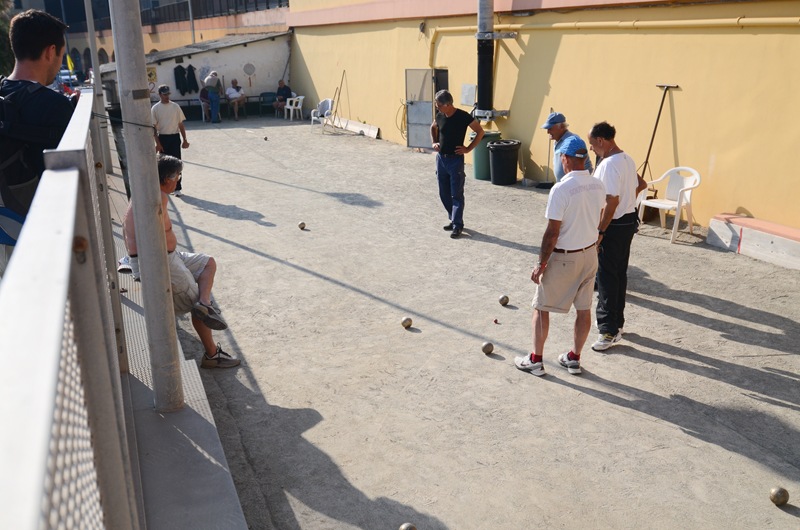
[[562, 251]]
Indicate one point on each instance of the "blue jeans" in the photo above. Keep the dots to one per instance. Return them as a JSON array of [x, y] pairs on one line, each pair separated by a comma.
[[450, 172], [213, 99]]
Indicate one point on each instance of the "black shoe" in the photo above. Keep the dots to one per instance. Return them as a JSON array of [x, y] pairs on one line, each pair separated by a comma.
[[455, 233], [448, 227]]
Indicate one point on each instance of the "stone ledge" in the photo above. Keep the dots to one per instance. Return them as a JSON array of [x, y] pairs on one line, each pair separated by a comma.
[[185, 478], [756, 238]]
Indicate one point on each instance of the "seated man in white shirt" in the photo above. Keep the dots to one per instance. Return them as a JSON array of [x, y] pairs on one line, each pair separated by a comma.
[[236, 97]]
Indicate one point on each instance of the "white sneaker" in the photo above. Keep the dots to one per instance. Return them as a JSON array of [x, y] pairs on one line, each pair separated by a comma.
[[526, 365], [573, 366], [606, 340], [124, 265], [178, 193]]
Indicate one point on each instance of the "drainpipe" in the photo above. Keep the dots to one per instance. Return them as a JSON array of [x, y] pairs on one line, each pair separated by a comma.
[[485, 56], [97, 106]]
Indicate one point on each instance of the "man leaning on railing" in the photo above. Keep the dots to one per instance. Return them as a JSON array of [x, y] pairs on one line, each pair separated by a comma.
[[32, 118]]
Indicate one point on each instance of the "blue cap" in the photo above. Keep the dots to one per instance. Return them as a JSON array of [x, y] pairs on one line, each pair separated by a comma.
[[571, 145], [553, 119]]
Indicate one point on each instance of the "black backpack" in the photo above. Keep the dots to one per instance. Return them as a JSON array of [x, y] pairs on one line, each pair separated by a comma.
[[18, 176]]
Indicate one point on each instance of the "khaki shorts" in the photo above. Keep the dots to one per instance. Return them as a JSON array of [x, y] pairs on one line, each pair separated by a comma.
[[184, 269], [568, 280]]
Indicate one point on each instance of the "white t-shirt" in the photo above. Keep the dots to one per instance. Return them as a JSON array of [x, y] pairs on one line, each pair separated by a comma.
[[618, 174], [167, 118], [232, 93], [577, 202]]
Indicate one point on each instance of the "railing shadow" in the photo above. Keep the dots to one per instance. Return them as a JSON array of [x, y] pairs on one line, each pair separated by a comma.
[[776, 385], [351, 199], [785, 339], [227, 211], [475, 235], [760, 437], [289, 468]]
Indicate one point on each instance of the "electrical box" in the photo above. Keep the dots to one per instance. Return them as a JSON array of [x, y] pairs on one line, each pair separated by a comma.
[[468, 93]]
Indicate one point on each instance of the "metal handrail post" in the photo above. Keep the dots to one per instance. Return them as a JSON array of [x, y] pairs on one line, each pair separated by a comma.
[[100, 372], [97, 106], [101, 192], [159, 314]]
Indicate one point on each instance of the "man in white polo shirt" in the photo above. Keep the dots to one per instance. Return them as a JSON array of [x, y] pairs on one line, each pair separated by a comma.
[[567, 257]]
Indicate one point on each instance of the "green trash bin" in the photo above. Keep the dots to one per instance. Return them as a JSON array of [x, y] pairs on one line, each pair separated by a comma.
[[480, 155]]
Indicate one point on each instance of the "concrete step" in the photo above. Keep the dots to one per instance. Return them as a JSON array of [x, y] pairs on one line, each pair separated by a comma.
[[762, 240], [185, 478]]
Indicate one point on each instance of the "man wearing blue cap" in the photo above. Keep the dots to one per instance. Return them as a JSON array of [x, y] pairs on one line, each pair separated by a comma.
[[564, 275], [557, 127]]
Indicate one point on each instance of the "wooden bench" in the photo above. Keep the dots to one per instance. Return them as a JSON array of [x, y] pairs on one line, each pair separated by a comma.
[[194, 111], [756, 238]]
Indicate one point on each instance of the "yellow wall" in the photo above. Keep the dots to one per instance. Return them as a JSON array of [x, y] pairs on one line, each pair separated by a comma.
[[734, 117], [309, 5]]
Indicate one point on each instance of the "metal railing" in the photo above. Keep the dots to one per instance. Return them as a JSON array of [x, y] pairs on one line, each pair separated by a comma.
[[65, 459]]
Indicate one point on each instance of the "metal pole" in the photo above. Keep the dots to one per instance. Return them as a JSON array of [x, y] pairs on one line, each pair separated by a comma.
[[97, 106], [191, 18], [665, 88], [159, 313], [485, 55], [66, 33]]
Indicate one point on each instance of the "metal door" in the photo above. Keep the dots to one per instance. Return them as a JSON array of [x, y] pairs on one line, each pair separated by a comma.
[[419, 108]]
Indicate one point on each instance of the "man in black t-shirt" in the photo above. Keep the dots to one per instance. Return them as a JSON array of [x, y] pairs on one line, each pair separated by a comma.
[[447, 136], [38, 43]]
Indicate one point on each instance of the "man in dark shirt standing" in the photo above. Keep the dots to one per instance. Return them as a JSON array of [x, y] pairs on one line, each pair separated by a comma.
[[447, 136], [38, 43]]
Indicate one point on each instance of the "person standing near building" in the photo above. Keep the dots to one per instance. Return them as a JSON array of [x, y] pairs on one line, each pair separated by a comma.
[[214, 86], [617, 171], [447, 137], [38, 43], [168, 121], [567, 264], [558, 130]]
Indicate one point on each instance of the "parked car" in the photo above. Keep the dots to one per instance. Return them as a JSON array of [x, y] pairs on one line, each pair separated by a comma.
[[65, 77]]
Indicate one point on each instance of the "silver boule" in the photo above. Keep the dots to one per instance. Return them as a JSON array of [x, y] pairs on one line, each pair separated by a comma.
[[779, 496]]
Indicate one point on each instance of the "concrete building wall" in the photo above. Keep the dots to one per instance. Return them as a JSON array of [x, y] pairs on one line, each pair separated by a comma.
[[171, 35], [270, 58], [733, 117]]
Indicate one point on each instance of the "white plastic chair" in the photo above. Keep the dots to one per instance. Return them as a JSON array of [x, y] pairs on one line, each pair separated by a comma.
[[323, 111], [294, 104], [677, 197]]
